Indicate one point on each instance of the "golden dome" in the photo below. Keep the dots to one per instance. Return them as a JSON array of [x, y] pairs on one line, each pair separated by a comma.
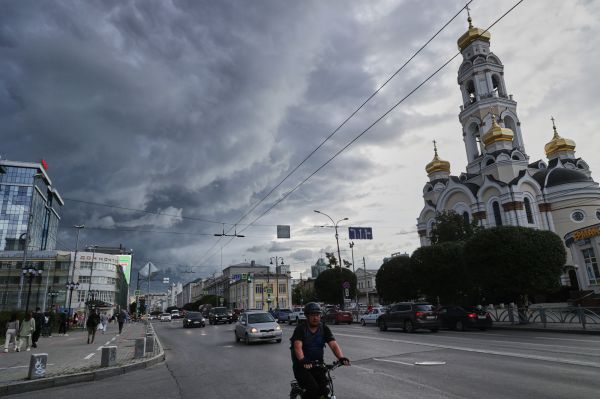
[[558, 144], [497, 133], [437, 164], [471, 35]]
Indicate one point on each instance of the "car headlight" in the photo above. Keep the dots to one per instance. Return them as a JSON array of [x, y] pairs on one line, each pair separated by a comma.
[[189, 321], [277, 328], [253, 330]]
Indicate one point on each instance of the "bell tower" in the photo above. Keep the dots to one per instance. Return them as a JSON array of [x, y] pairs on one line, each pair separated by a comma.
[[484, 94]]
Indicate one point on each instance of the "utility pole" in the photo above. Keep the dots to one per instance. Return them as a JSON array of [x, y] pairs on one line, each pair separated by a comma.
[[365, 278], [354, 272]]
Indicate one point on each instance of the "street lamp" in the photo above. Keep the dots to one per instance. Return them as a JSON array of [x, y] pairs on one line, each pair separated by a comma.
[[31, 273], [72, 285], [335, 225], [354, 271], [277, 278], [52, 294]]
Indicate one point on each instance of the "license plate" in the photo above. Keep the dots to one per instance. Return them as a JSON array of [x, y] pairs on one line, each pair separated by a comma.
[[430, 317], [196, 322], [481, 317]]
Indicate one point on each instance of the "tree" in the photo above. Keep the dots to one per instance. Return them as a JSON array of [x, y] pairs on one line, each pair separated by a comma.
[[302, 295], [440, 273], [331, 259], [329, 284], [450, 226], [511, 263], [395, 280]]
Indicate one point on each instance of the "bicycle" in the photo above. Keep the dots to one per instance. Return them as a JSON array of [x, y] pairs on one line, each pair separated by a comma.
[[297, 391]]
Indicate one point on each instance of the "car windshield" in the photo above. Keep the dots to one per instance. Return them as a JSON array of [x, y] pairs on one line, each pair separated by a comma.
[[192, 315], [260, 318], [220, 310], [423, 308]]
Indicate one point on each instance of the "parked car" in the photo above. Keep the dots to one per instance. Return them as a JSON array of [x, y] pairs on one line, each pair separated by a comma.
[[462, 318], [283, 315], [220, 315], [165, 317], [371, 316], [336, 316], [194, 319], [256, 326], [296, 315], [409, 316]]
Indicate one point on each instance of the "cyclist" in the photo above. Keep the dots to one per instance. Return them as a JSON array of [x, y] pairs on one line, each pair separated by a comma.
[[308, 341]]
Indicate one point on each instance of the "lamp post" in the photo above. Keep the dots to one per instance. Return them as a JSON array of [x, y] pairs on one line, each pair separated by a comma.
[[30, 273], [72, 284], [52, 294], [335, 225], [277, 278], [354, 271]]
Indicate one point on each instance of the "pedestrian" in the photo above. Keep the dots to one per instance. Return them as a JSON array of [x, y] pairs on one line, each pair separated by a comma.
[[38, 316], [47, 327], [25, 331], [121, 319], [104, 322], [12, 328], [75, 320], [92, 325], [62, 323]]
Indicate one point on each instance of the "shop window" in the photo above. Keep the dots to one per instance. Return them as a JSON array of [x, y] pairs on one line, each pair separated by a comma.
[[591, 265]]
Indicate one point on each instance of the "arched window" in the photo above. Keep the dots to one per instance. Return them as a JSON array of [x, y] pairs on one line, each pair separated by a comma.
[[471, 91], [466, 218], [496, 91], [528, 211], [497, 216]]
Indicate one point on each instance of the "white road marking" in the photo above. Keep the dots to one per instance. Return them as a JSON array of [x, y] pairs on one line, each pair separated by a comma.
[[89, 356], [393, 361], [483, 351], [106, 344], [227, 346], [571, 339], [99, 348]]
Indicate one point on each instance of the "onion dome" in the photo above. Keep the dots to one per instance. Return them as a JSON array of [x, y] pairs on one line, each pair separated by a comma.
[[558, 144], [497, 133], [437, 164], [472, 34]]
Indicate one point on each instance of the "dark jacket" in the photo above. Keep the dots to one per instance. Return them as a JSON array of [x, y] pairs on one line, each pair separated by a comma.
[[93, 320]]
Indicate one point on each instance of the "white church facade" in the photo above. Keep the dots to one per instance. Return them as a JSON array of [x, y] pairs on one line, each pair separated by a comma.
[[501, 186]]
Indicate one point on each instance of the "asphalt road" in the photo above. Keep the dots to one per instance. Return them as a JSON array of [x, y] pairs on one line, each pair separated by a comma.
[[207, 363]]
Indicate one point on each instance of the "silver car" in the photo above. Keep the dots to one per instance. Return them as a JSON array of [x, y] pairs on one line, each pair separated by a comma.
[[257, 325]]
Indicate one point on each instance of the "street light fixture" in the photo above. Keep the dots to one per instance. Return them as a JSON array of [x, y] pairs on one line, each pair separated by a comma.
[[335, 225], [30, 273], [277, 278], [52, 294]]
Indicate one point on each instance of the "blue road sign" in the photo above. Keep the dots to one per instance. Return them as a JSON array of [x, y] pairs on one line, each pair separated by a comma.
[[360, 233]]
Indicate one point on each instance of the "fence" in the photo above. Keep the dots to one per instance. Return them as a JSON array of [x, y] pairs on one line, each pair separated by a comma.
[[548, 316]]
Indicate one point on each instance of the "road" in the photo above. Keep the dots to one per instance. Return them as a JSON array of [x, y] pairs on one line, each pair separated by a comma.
[[207, 363]]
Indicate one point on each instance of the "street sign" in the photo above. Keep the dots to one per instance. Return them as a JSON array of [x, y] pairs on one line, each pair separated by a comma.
[[346, 292], [346, 285], [283, 231], [137, 292], [360, 233], [165, 280], [269, 290]]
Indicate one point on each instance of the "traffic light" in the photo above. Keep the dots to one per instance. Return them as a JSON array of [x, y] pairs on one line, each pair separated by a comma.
[[250, 277]]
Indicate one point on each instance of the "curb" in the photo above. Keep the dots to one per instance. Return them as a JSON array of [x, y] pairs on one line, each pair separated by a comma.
[[551, 330], [57, 381]]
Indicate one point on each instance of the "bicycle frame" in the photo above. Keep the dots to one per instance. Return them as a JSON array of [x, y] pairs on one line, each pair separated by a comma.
[[298, 391]]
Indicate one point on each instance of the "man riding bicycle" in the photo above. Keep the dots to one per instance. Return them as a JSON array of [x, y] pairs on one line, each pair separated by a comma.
[[308, 341]]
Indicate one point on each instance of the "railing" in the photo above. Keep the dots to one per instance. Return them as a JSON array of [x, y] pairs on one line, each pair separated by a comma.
[[566, 317]]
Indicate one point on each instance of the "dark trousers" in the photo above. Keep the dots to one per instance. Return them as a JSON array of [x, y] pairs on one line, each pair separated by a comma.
[[36, 335], [91, 333], [313, 380], [120, 326], [62, 328]]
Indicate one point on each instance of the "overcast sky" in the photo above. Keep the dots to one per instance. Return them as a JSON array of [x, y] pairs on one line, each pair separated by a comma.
[[197, 109]]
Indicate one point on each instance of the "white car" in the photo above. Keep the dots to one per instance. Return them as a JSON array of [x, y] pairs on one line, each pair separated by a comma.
[[296, 315], [165, 317], [371, 316]]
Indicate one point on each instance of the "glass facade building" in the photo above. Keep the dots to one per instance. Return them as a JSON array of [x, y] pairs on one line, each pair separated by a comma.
[[27, 195]]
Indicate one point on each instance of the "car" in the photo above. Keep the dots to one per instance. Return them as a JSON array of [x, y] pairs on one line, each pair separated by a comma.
[[220, 315], [165, 317], [175, 314], [194, 319], [371, 316], [409, 316], [257, 326], [283, 315], [462, 318], [296, 315], [336, 316]]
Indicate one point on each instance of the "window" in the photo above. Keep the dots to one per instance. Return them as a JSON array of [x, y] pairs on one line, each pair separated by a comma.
[[497, 216], [466, 218], [282, 288], [598, 214], [578, 216], [591, 265], [258, 289], [528, 211]]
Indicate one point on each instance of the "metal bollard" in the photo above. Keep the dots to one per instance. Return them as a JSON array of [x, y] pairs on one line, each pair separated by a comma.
[[140, 348], [37, 366], [109, 356], [150, 343]]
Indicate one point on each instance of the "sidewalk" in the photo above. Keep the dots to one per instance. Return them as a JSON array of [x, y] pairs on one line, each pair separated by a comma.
[[575, 328], [72, 356]]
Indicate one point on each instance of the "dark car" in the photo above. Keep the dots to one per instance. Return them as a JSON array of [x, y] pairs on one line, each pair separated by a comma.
[[282, 315], [336, 316], [193, 319], [409, 316], [462, 318], [220, 315]]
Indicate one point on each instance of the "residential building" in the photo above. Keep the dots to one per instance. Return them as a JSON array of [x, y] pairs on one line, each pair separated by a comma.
[[366, 286], [263, 291]]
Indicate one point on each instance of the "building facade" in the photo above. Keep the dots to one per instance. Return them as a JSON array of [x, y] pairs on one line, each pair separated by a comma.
[[262, 291], [501, 186], [366, 286]]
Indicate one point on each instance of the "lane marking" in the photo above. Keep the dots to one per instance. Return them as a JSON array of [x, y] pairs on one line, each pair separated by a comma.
[[393, 361], [99, 348], [483, 351], [88, 357]]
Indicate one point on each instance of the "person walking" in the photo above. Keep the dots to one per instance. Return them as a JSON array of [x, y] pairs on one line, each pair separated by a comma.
[[25, 331], [38, 316], [62, 324], [121, 319], [92, 325], [104, 322], [12, 327]]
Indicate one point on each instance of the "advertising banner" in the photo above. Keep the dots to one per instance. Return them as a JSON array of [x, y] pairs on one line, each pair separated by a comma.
[[125, 263]]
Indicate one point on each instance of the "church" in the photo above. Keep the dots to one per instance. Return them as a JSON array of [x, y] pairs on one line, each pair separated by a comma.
[[501, 186]]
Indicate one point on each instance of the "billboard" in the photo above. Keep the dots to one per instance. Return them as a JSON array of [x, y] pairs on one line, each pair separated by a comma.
[[125, 262]]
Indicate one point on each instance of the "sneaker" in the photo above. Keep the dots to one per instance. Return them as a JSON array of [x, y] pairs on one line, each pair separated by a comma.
[[28, 349], [5, 350], [17, 350]]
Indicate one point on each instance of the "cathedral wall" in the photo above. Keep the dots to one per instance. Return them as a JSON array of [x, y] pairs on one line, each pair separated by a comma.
[[457, 197], [565, 219]]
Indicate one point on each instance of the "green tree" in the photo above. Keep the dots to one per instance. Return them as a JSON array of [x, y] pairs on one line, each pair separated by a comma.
[[450, 226], [440, 273], [511, 263], [302, 295], [395, 280], [331, 259], [329, 284]]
